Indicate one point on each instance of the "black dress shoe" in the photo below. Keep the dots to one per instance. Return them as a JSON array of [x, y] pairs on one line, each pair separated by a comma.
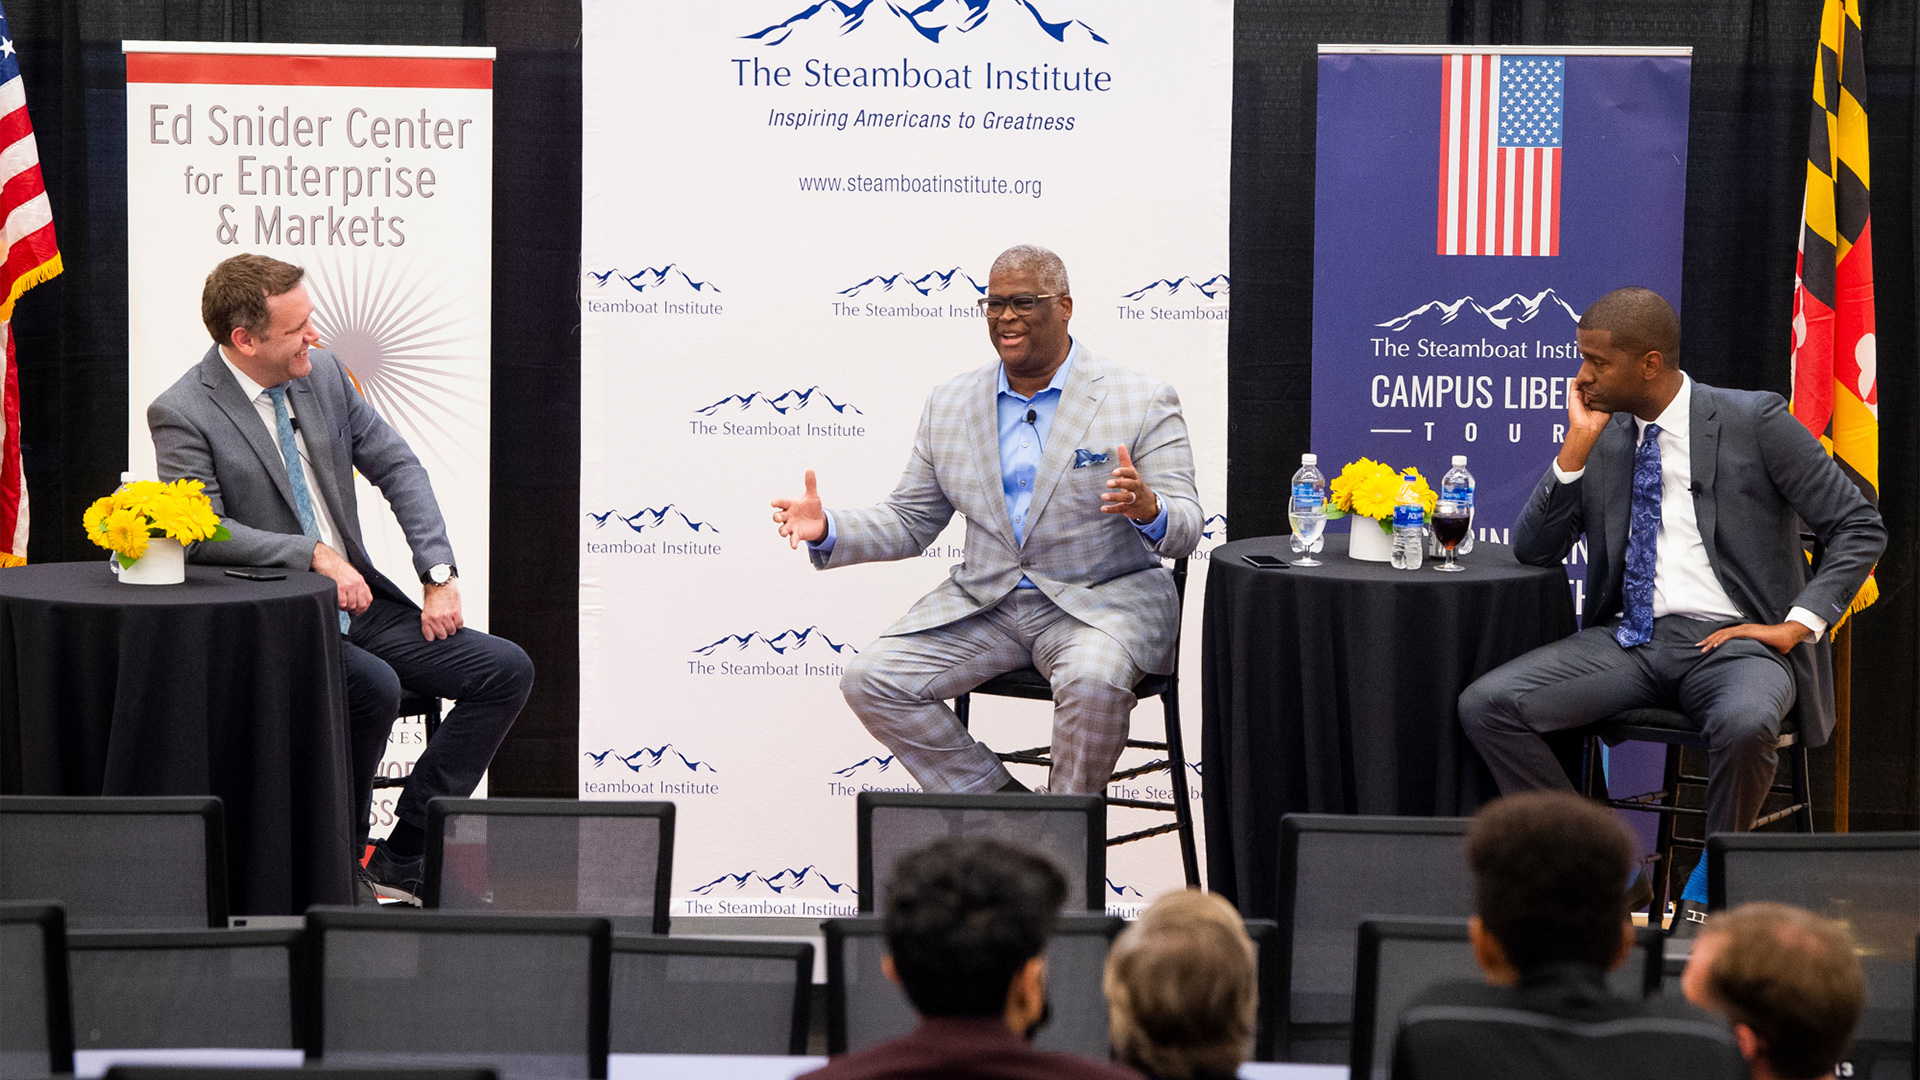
[[1688, 917], [395, 877], [363, 890]]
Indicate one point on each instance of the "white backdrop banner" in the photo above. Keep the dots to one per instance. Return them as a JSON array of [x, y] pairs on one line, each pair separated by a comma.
[[370, 166], [789, 211]]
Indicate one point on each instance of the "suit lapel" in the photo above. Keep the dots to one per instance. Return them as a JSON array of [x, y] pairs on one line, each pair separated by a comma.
[[1079, 403], [1618, 460], [228, 396], [983, 438], [1703, 445]]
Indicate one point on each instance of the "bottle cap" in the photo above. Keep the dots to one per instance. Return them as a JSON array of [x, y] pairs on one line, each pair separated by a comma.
[[1309, 459], [1460, 460], [129, 477]]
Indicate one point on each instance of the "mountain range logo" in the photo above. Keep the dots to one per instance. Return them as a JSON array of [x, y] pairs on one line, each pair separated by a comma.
[[1123, 890], [880, 765], [789, 401], [1212, 288], [928, 18], [651, 279], [649, 518], [782, 881], [784, 642], [649, 758], [926, 284], [1514, 309], [1214, 527]]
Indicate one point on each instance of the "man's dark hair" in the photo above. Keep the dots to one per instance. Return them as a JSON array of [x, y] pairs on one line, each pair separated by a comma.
[[1640, 320], [1549, 878], [1793, 978], [963, 916], [237, 290]]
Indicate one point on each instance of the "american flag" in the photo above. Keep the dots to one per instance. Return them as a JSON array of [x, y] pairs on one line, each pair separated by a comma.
[[31, 258], [1500, 131]]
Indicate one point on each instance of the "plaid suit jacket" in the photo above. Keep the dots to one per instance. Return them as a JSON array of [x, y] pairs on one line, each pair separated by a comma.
[[1097, 567]]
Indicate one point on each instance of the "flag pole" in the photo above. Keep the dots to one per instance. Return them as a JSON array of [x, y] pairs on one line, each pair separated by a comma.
[[1843, 724]]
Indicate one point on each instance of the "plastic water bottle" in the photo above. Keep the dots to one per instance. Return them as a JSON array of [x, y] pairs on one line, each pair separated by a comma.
[[1409, 524], [1453, 513], [1307, 509]]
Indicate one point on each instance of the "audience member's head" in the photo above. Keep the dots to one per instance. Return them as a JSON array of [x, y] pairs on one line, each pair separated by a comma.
[[1181, 988], [967, 924], [1788, 981], [1550, 876]]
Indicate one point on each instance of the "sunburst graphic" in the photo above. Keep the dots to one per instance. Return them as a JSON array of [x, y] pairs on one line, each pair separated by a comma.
[[403, 347]]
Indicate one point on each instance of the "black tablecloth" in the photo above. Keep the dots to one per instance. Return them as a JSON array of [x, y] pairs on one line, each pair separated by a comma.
[[1332, 689], [218, 687]]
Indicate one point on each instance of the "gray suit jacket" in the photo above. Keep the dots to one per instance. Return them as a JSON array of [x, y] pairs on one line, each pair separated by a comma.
[[205, 428], [1097, 567], [1757, 475]]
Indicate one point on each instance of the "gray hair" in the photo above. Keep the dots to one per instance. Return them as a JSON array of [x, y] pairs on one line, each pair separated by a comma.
[[1043, 264]]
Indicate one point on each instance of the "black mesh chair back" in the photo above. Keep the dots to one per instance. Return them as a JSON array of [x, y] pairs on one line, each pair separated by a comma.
[[864, 1007], [525, 995], [1865, 880], [117, 863], [1067, 830], [1400, 958], [709, 996], [36, 1032], [184, 988], [1336, 871], [311, 1072], [561, 856], [1266, 965]]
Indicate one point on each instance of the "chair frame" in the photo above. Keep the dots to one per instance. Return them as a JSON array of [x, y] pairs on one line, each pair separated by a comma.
[[1029, 684], [1094, 807], [305, 1072], [207, 807], [52, 920], [427, 708], [1719, 844], [799, 952], [321, 919], [293, 940], [1265, 934], [439, 809]]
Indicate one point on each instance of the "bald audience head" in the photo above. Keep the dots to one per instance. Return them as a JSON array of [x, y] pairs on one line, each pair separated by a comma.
[[1788, 980], [1181, 988], [1639, 320]]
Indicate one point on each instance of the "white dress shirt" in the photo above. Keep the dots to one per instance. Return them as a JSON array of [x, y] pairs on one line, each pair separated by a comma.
[[263, 404], [1683, 580]]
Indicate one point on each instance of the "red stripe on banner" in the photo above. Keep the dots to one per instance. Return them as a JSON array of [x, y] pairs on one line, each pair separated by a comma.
[[1488, 88], [228, 69], [1446, 144], [1501, 196], [15, 126], [10, 478], [1553, 203]]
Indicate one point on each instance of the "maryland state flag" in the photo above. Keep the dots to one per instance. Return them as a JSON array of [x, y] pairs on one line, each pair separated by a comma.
[[1834, 391]]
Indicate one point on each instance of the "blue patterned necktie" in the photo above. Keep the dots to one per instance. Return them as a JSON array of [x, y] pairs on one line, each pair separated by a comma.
[[1636, 628], [296, 475]]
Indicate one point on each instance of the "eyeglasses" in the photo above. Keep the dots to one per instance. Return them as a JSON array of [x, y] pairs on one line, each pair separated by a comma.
[[994, 306]]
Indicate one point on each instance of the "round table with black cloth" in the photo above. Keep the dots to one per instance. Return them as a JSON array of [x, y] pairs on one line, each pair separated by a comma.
[[218, 686], [1332, 689]]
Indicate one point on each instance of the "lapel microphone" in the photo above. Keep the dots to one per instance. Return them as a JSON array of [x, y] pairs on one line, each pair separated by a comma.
[[1031, 417]]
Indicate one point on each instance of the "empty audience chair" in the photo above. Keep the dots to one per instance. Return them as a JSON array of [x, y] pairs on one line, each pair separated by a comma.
[[1265, 934], [561, 856], [864, 1007], [117, 863], [1067, 830], [1336, 871], [184, 988], [311, 1072], [1400, 958], [36, 1033], [525, 995], [709, 996], [1865, 880]]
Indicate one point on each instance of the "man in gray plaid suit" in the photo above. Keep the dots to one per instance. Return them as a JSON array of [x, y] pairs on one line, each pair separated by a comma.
[[1076, 479]]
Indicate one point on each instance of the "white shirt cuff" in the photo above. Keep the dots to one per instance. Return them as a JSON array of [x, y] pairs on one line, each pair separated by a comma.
[[1809, 620], [1566, 477]]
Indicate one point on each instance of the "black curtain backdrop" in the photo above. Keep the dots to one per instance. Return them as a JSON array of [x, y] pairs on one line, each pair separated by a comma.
[[1752, 72]]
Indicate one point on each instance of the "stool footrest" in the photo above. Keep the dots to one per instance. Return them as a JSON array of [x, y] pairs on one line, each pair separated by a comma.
[[1780, 815], [1141, 804], [1129, 838], [1024, 758], [1162, 765]]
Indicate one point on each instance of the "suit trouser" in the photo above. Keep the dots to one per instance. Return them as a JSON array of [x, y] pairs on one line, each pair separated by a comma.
[[900, 685], [488, 679], [1736, 696]]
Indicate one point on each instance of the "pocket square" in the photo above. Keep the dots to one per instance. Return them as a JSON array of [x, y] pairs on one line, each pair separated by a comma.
[[1083, 458]]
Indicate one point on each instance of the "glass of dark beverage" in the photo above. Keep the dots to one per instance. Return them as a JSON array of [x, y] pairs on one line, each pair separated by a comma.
[[1450, 528]]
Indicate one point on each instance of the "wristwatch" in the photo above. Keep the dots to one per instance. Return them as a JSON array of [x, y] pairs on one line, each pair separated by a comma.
[[439, 574]]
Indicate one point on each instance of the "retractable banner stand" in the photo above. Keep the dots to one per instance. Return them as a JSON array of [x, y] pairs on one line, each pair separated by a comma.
[[789, 211], [372, 168]]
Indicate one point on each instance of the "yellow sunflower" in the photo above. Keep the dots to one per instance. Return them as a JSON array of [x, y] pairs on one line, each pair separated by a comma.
[[95, 518], [126, 533]]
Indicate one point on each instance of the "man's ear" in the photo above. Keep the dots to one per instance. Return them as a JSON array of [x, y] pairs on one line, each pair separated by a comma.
[[1653, 364], [1751, 1044], [892, 973], [243, 340], [1626, 946], [1488, 953]]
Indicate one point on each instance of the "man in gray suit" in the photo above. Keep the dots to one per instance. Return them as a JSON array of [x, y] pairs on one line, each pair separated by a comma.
[[263, 398], [1698, 597], [1076, 479]]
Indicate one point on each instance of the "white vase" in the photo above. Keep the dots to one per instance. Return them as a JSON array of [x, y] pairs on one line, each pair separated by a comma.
[[1369, 542], [165, 563]]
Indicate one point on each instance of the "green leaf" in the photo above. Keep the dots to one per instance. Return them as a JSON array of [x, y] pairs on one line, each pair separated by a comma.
[[125, 563], [222, 533], [1336, 515]]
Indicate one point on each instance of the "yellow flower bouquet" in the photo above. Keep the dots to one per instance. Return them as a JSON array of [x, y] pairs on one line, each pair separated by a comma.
[[124, 521], [1368, 488]]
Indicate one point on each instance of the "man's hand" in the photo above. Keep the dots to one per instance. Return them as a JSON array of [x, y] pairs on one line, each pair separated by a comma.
[[1130, 495], [440, 610], [1780, 637], [1584, 426], [801, 518], [353, 590]]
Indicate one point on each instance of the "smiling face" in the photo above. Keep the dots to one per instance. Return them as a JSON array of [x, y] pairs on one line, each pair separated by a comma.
[[1032, 345], [278, 353], [1612, 379]]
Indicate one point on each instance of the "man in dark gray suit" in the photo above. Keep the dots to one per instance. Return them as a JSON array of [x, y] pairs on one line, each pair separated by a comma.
[[263, 398], [1698, 598]]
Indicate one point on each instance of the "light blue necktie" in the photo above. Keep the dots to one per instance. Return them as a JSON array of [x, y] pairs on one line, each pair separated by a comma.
[[296, 475], [1642, 534]]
